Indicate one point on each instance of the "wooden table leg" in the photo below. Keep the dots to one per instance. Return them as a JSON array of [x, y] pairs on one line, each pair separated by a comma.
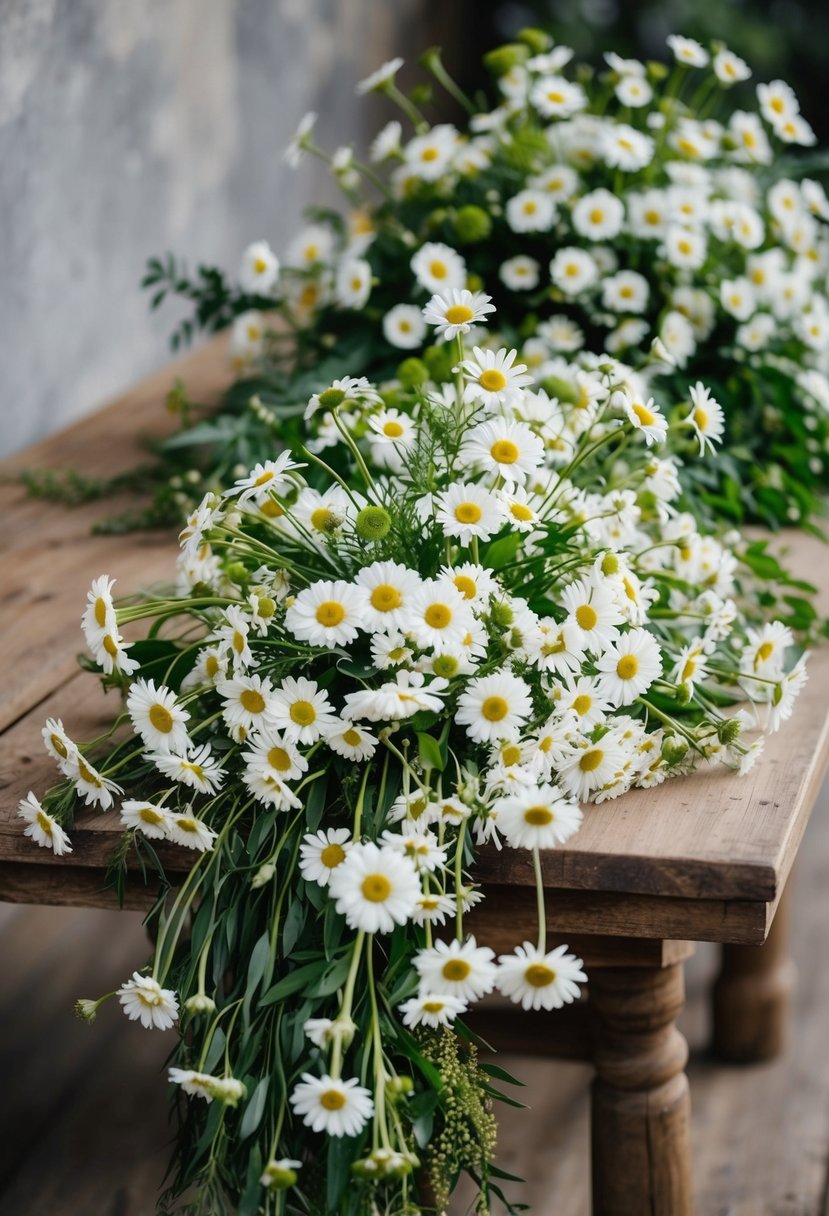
[[641, 1106], [750, 998]]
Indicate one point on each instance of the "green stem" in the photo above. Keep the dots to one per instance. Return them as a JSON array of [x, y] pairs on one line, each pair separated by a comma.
[[542, 912]]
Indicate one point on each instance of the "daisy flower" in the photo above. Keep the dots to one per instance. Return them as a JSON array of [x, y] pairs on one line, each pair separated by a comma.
[[765, 650], [685, 248], [145, 1001], [191, 833], [433, 909], [491, 376], [311, 247], [475, 583], [433, 1010], [326, 1104], [557, 97], [586, 766], [352, 742], [388, 588], [633, 90], [247, 702], [778, 101], [466, 510], [520, 273], [507, 448], [573, 270], [326, 613], [455, 312], [380, 78], [429, 156], [94, 787], [301, 710], [629, 667], [688, 51], [322, 852], [438, 268], [42, 827], [247, 339], [60, 747], [645, 417], [295, 150], [598, 215], [352, 286], [535, 980], [494, 707], [196, 1084], [392, 432], [462, 969], [152, 819], [233, 634], [538, 817], [593, 612], [395, 701], [157, 717], [706, 417], [375, 888], [280, 1173], [386, 142], [626, 291], [530, 211], [404, 326], [438, 615], [730, 68], [99, 615], [271, 476], [268, 788], [197, 769], [259, 269], [421, 848]]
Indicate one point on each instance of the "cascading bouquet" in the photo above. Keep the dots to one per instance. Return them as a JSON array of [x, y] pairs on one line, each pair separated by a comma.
[[452, 616], [601, 210]]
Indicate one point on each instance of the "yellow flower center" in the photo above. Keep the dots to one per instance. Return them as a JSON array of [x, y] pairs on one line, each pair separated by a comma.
[[311, 252], [495, 709], [385, 598], [539, 975], [279, 759], [777, 105], [392, 430], [376, 888], [45, 823], [456, 969], [239, 641], [591, 760], [149, 814], [652, 218], [433, 1006], [627, 667], [58, 745], [511, 754], [252, 701], [271, 509], [700, 418], [187, 824], [538, 816], [459, 314], [332, 1099], [504, 451], [587, 616], [332, 855], [438, 270], [324, 520], [764, 652], [110, 646], [211, 666], [688, 670], [101, 611], [302, 713], [438, 616], [492, 380], [466, 586], [582, 704], [429, 154], [352, 737], [555, 97], [330, 614], [521, 512], [530, 207], [596, 215], [445, 665], [260, 265], [161, 719], [88, 774], [264, 478], [468, 513]]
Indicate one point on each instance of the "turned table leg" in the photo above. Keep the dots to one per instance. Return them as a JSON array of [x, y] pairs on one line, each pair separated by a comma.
[[641, 1107], [750, 998]]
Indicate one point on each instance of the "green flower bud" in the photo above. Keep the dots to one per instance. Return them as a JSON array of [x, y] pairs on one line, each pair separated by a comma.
[[265, 606], [279, 1175], [502, 59], [331, 398], [263, 875], [657, 70], [502, 616], [200, 1003], [373, 523], [440, 360], [472, 224], [673, 749], [729, 730], [537, 40], [554, 386], [412, 373], [237, 572], [399, 1087], [683, 694]]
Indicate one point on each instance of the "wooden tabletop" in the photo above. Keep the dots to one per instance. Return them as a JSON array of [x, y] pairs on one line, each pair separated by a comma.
[[701, 858]]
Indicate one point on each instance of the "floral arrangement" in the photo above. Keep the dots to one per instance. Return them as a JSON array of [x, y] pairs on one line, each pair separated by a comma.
[[457, 612], [602, 211]]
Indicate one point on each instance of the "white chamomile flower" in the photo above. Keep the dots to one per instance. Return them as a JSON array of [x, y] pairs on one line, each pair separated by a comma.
[[737, 297], [730, 68], [429, 156], [197, 769], [392, 432], [326, 613], [295, 150], [395, 701], [520, 273], [375, 888], [60, 747], [234, 634], [352, 742], [765, 650], [269, 477], [685, 247], [190, 832], [625, 148], [438, 616], [586, 766], [536, 980], [259, 269], [99, 615], [509, 449], [151, 818], [157, 717], [421, 848], [439, 268], [557, 97], [494, 707], [573, 270], [404, 326], [380, 78], [386, 142], [530, 211], [322, 852], [248, 336], [388, 588], [633, 90], [311, 247], [706, 417], [461, 969], [626, 291], [629, 667], [537, 817], [778, 102], [473, 582], [688, 51], [433, 1009], [519, 508], [433, 909], [195, 1084], [492, 375], [94, 787], [327, 1104], [467, 509], [247, 700], [42, 827], [352, 286], [145, 1001], [593, 614], [301, 710], [455, 312], [645, 417], [599, 215]]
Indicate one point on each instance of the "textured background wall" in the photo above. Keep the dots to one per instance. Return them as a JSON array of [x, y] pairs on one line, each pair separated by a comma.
[[129, 127]]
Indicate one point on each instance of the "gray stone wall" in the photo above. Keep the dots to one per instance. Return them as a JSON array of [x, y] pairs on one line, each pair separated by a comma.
[[130, 127]]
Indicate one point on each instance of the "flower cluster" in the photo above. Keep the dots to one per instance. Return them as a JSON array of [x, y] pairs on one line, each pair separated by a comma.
[[464, 611]]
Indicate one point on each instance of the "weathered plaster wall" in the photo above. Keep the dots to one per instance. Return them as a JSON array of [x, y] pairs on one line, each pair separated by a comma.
[[129, 127]]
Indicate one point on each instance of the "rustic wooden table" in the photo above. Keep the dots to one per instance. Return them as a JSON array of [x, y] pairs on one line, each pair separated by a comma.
[[704, 858]]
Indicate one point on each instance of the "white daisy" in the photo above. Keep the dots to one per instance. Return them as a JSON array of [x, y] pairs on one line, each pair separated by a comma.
[[438, 615], [386, 142], [433, 909], [311, 247], [530, 211], [421, 848], [196, 1084], [247, 702], [466, 509], [688, 51], [586, 766], [395, 701], [536, 980], [439, 268], [494, 707], [573, 270], [730, 68], [684, 247], [191, 832], [520, 273], [326, 613], [510, 449], [157, 717], [404, 326], [352, 742], [198, 769], [538, 817], [455, 312], [375, 888], [557, 97], [380, 78], [259, 269], [94, 787], [461, 969], [593, 612], [327, 1104], [473, 582], [152, 819], [645, 417], [295, 150], [429, 156], [301, 710], [388, 588], [145, 1001], [60, 747], [433, 1009], [42, 827], [599, 215], [629, 667], [322, 852], [352, 285], [706, 417], [625, 291]]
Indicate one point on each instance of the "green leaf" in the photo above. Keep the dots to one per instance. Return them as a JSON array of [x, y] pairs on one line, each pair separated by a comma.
[[254, 1110], [293, 982], [294, 924], [430, 753]]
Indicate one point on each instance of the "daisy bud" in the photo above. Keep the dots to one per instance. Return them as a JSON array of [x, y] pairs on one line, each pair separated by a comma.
[[502, 616], [439, 360], [563, 390], [729, 730], [673, 750], [373, 523], [472, 224], [263, 875], [87, 1010], [537, 40], [200, 1003], [683, 694], [399, 1087], [331, 398], [237, 573], [412, 373], [279, 1175], [502, 59], [228, 1090], [657, 70]]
